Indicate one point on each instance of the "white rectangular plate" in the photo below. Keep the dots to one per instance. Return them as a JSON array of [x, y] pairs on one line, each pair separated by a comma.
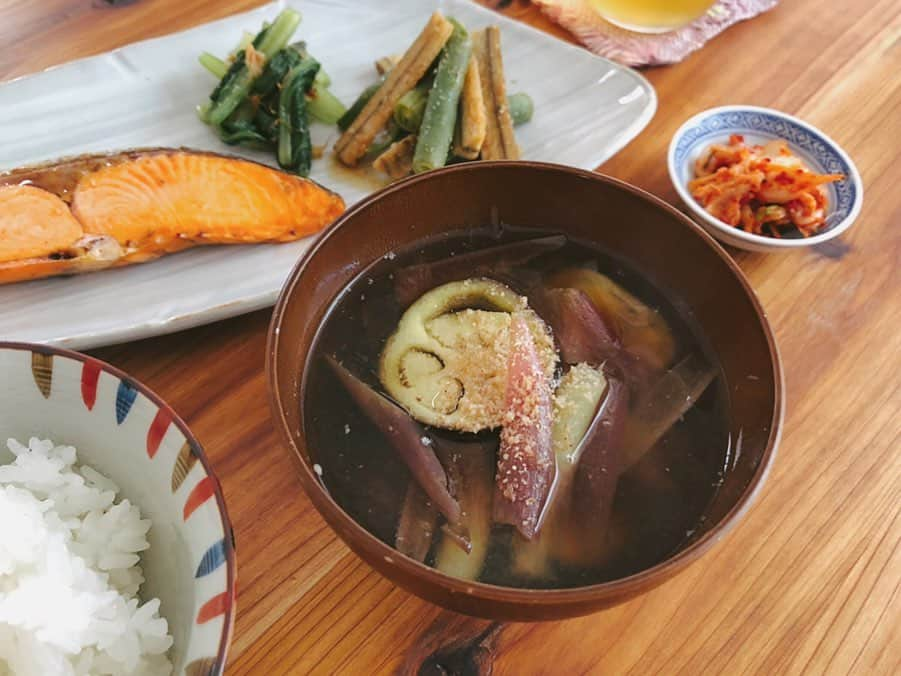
[[145, 94]]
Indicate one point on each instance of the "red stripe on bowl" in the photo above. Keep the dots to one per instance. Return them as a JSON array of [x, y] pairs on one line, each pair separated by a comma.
[[202, 492], [213, 608], [90, 374]]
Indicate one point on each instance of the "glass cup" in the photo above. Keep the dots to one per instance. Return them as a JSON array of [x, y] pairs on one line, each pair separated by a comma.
[[651, 16]]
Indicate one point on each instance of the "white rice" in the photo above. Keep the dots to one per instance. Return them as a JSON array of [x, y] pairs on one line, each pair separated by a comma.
[[69, 573]]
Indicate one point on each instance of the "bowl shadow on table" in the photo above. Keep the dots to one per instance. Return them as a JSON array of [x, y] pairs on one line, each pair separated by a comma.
[[674, 253]]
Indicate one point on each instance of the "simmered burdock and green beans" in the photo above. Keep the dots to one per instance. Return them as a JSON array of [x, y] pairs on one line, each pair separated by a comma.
[[443, 101], [516, 408]]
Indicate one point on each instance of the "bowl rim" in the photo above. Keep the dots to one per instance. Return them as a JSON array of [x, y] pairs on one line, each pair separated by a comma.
[[330, 510], [231, 561], [734, 233]]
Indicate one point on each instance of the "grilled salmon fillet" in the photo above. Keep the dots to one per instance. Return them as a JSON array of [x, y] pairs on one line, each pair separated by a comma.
[[98, 211]]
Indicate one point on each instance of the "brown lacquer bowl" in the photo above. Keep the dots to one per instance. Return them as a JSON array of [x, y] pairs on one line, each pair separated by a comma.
[[662, 243]]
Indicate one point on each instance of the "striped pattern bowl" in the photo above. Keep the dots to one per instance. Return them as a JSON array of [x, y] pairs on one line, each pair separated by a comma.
[[126, 432]]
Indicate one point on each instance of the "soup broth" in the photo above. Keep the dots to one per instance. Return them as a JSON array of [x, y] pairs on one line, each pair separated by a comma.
[[660, 496]]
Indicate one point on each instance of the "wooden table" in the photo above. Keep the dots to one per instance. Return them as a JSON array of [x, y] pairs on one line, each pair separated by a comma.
[[808, 582]]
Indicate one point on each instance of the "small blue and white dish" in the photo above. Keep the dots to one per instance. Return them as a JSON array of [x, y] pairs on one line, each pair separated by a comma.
[[760, 125]]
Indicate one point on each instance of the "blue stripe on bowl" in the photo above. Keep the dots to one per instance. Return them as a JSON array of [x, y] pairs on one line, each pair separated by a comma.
[[125, 397], [212, 559], [822, 152]]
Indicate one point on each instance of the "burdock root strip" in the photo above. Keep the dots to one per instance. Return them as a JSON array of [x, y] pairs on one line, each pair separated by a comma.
[[397, 161], [473, 122], [500, 142], [402, 78]]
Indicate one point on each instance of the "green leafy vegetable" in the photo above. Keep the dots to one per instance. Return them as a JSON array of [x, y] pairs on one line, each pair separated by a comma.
[[239, 79], [295, 149]]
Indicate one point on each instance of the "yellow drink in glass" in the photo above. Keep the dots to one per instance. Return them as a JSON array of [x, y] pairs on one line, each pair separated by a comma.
[[651, 16]]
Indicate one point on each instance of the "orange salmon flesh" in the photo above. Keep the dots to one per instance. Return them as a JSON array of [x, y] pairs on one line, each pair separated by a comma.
[[136, 206]]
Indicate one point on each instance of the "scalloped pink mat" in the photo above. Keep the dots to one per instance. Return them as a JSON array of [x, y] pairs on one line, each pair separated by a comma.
[[638, 49]]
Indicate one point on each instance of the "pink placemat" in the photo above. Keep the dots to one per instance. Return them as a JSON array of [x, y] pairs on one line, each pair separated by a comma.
[[638, 49]]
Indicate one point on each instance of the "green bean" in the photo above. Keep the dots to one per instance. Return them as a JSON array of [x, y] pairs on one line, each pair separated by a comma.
[[409, 110], [521, 108], [391, 134], [323, 105], [295, 149], [357, 106], [437, 130], [236, 84], [214, 64]]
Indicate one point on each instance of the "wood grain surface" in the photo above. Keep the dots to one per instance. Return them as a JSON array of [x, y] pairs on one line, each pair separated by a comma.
[[809, 582]]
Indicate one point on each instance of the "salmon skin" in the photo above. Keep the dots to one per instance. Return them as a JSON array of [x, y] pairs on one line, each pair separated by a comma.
[[99, 211]]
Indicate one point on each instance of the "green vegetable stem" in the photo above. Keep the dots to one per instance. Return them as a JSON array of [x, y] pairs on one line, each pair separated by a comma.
[[214, 64], [323, 105], [239, 79]]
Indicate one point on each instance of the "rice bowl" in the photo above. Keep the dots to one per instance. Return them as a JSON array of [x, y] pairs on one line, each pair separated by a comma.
[[168, 519]]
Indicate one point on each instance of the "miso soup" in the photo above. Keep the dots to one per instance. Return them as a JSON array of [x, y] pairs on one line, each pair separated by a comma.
[[514, 407]]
